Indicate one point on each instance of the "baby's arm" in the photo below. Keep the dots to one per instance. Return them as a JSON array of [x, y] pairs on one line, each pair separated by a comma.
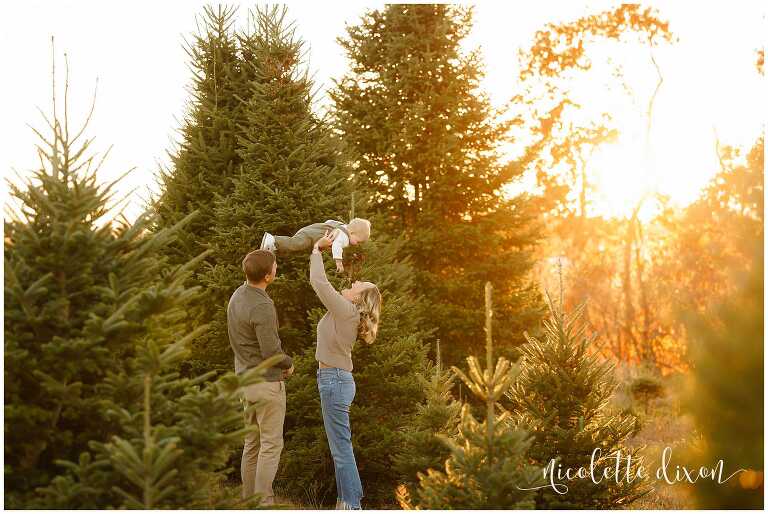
[[340, 242]]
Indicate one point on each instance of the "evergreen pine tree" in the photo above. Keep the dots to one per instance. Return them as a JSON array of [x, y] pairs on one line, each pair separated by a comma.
[[93, 323], [78, 288], [63, 265], [437, 417], [488, 467], [293, 174], [173, 436], [206, 160], [387, 389], [726, 397], [427, 141], [561, 398]]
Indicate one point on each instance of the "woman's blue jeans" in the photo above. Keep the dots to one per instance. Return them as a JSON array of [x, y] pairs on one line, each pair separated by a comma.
[[337, 390]]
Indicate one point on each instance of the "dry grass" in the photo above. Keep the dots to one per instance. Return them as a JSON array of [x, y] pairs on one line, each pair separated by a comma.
[[664, 425], [307, 499]]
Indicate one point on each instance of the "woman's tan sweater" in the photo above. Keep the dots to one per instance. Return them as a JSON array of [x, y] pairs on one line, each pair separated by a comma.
[[337, 329]]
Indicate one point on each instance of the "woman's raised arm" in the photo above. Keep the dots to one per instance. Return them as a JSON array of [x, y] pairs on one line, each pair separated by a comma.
[[332, 299]]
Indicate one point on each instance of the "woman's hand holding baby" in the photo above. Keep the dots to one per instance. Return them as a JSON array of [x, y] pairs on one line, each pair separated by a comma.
[[325, 241]]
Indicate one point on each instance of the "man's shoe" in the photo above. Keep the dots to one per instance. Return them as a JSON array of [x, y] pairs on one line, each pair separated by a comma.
[[267, 242]]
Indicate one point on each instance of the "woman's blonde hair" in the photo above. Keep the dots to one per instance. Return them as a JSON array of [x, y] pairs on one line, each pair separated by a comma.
[[369, 306]]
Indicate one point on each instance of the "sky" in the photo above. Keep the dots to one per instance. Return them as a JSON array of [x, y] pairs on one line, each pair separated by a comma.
[[135, 49]]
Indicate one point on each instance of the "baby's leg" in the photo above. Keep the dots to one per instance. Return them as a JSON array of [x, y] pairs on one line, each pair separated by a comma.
[[298, 242]]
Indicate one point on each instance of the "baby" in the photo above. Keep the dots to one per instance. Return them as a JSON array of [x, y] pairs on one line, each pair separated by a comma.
[[356, 231]]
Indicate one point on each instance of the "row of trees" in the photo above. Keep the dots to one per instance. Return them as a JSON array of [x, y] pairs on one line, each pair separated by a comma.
[[421, 164], [427, 170], [548, 411], [253, 156]]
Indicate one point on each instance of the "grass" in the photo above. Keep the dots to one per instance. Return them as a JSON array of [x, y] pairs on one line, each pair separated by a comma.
[[664, 424]]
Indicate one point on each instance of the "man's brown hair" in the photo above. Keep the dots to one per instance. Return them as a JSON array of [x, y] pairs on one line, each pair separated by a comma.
[[257, 265]]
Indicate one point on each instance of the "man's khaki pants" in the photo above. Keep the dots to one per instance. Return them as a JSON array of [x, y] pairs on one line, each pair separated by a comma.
[[264, 407]]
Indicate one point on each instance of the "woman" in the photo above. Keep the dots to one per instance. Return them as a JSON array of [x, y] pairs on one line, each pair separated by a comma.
[[352, 314]]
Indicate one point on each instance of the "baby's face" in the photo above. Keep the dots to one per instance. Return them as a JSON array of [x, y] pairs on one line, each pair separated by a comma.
[[353, 239]]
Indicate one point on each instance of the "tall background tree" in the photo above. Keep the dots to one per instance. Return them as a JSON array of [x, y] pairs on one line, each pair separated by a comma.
[[714, 236], [293, 173], [205, 161], [426, 141]]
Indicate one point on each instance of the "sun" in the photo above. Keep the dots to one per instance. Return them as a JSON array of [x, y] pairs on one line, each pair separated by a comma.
[[624, 179], [638, 167]]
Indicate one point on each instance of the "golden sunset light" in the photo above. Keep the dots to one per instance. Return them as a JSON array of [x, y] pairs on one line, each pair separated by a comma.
[[369, 256]]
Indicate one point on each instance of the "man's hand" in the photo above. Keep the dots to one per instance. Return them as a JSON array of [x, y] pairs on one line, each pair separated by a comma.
[[339, 265], [288, 372]]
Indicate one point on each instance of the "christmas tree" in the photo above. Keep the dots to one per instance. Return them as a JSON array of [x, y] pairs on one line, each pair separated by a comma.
[[206, 160], [726, 397], [81, 292], [293, 174], [427, 142], [173, 436], [96, 413], [561, 397], [437, 417], [64, 265], [488, 467]]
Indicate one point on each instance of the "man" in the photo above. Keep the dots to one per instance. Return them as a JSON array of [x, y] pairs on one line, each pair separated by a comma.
[[252, 328]]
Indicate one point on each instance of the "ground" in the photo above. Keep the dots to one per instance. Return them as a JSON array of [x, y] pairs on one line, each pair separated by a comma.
[[662, 424]]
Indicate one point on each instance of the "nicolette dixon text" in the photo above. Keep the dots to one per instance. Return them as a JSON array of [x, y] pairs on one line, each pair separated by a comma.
[[622, 470]]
